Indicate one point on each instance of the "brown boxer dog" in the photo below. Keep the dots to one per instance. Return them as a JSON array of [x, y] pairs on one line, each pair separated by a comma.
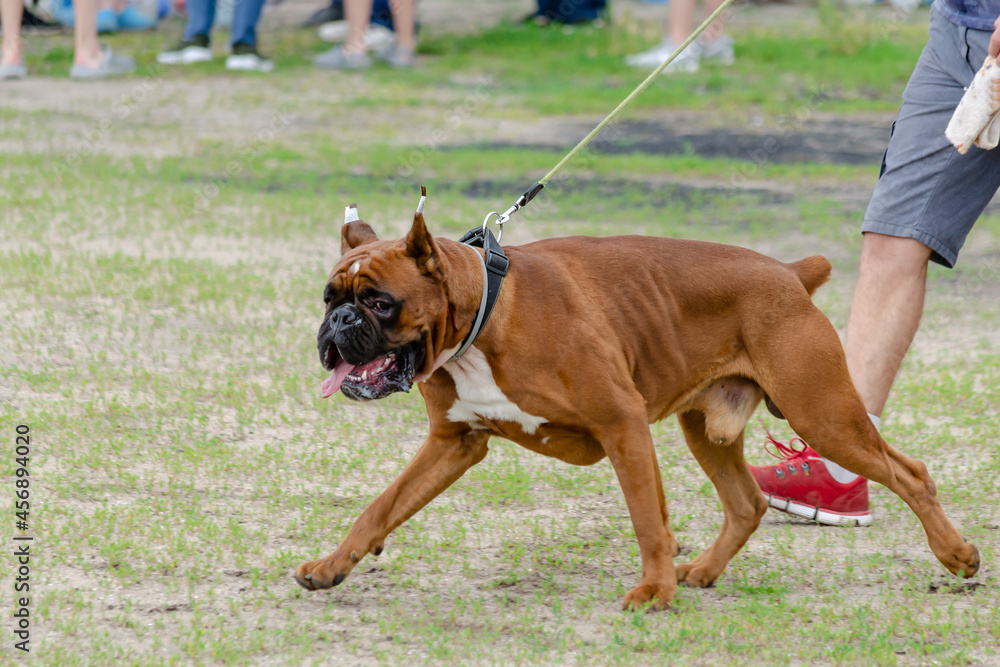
[[591, 340]]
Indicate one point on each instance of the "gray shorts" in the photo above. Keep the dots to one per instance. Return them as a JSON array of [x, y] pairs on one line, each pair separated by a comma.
[[926, 190]]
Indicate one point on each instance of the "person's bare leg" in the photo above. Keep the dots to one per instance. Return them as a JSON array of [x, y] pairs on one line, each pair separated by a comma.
[[716, 28], [404, 20], [357, 13], [680, 17], [11, 12], [88, 50], [885, 313]]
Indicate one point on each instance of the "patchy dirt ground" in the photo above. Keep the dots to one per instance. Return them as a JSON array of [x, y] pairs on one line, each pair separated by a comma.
[[185, 465]]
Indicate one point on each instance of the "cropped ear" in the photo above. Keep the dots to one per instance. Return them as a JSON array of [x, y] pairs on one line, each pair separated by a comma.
[[355, 232], [420, 246]]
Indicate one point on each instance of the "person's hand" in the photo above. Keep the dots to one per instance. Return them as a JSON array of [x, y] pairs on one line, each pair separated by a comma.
[[994, 49]]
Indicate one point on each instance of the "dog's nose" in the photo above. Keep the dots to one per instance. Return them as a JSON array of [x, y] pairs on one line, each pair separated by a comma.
[[343, 317]]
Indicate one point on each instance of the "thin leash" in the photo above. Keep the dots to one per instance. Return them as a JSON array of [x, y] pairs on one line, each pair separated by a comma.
[[530, 193], [494, 261]]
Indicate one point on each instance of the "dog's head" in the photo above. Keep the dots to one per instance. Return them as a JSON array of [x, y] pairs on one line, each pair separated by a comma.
[[386, 305]]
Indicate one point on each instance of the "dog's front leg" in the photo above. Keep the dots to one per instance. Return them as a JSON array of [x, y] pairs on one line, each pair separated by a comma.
[[442, 459], [629, 446]]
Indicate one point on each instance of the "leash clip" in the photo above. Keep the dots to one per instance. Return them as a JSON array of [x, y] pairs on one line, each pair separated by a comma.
[[500, 220]]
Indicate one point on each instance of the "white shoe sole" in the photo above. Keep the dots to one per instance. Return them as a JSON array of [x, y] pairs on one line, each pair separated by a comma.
[[686, 65], [249, 63], [334, 31], [187, 56], [377, 37], [816, 514]]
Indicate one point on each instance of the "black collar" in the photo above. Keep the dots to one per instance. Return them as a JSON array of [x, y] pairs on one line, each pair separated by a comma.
[[495, 265]]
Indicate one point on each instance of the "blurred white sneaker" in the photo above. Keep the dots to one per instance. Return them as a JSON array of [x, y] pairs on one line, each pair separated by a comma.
[[246, 58], [720, 51], [378, 36], [686, 61]]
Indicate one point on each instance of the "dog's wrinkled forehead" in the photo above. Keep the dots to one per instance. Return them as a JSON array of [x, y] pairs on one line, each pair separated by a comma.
[[362, 269], [349, 274]]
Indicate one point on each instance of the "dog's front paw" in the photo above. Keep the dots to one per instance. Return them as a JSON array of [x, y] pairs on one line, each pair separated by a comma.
[[324, 573], [693, 574], [659, 594], [965, 561], [332, 570]]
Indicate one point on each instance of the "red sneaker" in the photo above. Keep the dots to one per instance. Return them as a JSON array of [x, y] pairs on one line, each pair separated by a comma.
[[801, 485]]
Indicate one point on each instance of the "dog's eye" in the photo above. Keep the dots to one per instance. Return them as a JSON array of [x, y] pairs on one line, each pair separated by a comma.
[[328, 294], [381, 307]]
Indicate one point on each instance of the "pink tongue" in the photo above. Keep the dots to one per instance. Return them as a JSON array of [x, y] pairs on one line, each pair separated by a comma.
[[332, 383]]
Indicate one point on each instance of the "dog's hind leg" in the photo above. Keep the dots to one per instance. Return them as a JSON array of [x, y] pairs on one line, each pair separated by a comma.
[[811, 386], [742, 500]]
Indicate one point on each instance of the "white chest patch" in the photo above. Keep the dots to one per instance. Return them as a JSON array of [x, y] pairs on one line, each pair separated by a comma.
[[479, 397]]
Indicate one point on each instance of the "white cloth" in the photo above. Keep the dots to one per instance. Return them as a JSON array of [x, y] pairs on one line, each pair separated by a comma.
[[975, 118]]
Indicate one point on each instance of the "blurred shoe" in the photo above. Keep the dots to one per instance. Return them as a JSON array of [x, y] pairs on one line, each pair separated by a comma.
[[802, 485], [397, 56], [334, 31], [187, 52], [332, 12], [246, 58], [377, 37], [133, 19], [719, 51], [335, 58], [107, 22], [685, 62], [111, 65], [13, 72]]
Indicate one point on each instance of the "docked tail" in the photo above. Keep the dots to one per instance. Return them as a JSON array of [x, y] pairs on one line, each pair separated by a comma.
[[812, 271]]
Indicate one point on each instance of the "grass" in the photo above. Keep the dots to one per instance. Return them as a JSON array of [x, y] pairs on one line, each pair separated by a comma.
[[161, 279], [856, 61]]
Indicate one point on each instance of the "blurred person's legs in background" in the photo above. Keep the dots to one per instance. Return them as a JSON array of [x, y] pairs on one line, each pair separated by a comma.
[[243, 35], [90, 60], [11, 50], [713, 45], [88, 49], [246, 14], [380, 32], [195, 43], [353, 54]]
